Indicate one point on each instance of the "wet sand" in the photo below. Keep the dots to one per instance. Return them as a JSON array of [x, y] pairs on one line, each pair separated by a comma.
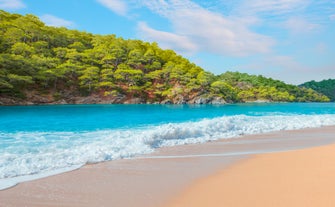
[[159, 178]]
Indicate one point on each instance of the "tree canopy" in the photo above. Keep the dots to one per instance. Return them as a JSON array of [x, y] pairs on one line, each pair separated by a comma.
[[326, 87], [58, 63]]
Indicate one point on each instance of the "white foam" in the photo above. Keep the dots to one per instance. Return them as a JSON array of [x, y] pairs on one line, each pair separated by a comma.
[[30, 155], [229, 154], [230, 127], [10, 182]]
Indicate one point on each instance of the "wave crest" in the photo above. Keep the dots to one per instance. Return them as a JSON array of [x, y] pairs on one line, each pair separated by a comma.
[[29, 153]]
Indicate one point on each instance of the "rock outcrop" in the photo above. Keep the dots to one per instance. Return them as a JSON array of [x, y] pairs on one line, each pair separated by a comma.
[[34, 99]]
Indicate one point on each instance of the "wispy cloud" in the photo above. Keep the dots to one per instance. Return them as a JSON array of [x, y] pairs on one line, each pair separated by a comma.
[[210, 31], [167, 40], [56, 21], [236, 28], [11, 4], [117, 6], [273, 6], [299, 25], [278, 12], [321, 48], [284, 67]]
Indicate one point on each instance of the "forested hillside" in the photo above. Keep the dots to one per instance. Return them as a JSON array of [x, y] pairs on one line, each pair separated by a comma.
[[326, 87], [41, 64]]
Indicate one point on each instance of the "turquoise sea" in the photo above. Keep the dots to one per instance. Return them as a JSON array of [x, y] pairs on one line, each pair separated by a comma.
[[37, 141]]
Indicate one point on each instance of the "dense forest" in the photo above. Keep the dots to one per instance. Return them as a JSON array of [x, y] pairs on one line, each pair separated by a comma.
[[42, 64], [326, 87]]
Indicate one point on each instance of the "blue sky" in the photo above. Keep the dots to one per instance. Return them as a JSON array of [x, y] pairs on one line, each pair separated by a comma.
[[290, 40]]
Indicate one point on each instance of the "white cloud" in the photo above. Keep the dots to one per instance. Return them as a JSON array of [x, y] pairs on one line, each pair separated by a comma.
[[56, 21], [303, 73], [287, 68], [238, 29], [283, 61], [273, 6], [117, 6], [321, 48], [11, 4], [210, 31], [299, 25], [167, 40]]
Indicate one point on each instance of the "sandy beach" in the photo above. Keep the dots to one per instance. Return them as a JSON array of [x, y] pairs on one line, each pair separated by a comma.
[[248, 171], [299, 178]]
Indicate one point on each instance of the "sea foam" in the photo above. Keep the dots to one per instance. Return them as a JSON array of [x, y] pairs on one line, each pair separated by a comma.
[[30, 155]]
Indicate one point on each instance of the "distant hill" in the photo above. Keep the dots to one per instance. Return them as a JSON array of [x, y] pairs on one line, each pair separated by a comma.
[[40, 64], [326, 87]]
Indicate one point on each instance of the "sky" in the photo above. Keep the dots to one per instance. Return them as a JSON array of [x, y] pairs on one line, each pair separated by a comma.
[[289, 40]]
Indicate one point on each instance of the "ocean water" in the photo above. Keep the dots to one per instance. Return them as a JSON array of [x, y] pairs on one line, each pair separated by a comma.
[[38, 141]]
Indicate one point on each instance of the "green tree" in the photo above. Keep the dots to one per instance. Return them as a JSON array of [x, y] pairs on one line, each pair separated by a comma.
[[226, 90], [106, 79], [127, 75], [89, 78], [135, 58], [22, 49], [49, 61]]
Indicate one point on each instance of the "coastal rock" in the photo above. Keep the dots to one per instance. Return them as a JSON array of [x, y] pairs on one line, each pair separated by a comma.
[[7, 101], [62, 101], [201, 100], [98, 99], [88, 100], [119, 99], [180, 100], [259, 101], [218, 101], [135, 101], [38, 99], [207, 100], [166, 101]]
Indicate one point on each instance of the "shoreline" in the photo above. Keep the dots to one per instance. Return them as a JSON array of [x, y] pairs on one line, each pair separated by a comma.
[[60, 103], [154, 179]]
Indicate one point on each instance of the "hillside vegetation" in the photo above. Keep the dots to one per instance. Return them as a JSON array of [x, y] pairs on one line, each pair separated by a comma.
[[326, 87], [42, 64]]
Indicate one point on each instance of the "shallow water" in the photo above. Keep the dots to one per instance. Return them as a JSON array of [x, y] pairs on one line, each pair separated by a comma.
[[37, 140]]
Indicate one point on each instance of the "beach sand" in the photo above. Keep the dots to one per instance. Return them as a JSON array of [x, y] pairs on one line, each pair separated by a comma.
[[196, 173], [300, 178]]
